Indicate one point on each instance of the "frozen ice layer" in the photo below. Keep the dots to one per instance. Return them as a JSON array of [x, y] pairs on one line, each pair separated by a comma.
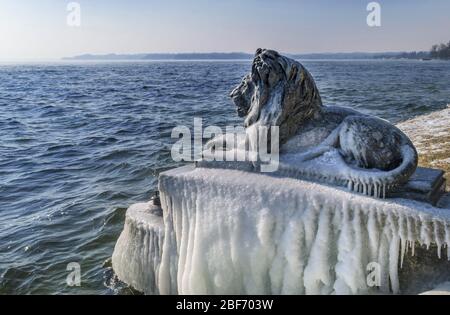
[[246, 233], [235, 232], [137, 254]]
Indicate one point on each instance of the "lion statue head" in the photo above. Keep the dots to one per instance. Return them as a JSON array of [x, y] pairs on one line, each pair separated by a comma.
[[279, 91]]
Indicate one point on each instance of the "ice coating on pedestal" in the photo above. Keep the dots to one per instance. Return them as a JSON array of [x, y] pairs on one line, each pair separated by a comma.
[[138, 250], [233, 232]]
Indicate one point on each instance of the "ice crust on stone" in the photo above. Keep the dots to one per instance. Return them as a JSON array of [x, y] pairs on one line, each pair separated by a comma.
[[330, 168], [235, 232], [323, 163], [137, 254]]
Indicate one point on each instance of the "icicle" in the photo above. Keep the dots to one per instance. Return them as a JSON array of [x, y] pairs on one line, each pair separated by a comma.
[[437, 237], [383, 260], [345, 246], [373, 234], [317, 275], [447, 240], [410, 226], [425, 233], [350, 185], [403, 237], [409, 230], [393, 263]]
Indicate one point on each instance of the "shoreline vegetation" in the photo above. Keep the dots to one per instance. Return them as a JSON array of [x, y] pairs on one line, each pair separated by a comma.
[[440, 51]]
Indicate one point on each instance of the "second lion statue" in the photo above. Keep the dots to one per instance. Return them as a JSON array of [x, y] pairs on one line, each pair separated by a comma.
[[279, 91]]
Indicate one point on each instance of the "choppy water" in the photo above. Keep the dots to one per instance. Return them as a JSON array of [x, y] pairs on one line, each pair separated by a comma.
[[81, 142]]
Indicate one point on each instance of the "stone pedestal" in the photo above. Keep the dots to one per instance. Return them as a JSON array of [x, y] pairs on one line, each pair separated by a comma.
[[426, 184], [235, 232]]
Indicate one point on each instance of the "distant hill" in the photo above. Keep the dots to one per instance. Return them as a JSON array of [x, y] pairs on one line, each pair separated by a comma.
[[165, 56], [352, 55], [247, 56]]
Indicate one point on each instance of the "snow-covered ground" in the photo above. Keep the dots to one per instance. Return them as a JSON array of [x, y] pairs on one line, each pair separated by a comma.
[[431, 136]]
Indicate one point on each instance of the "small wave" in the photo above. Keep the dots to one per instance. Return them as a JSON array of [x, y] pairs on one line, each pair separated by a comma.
[[15, 280], [181, 96], [116, 216], [24, 140], [117, 154], [58, 147]]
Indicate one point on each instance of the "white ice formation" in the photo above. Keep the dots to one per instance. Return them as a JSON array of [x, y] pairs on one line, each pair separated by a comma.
[[233, 232], [137, 255]]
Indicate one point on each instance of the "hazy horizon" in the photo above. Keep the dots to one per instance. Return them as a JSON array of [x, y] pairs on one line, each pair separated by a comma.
[[69, 58], [35, 31]]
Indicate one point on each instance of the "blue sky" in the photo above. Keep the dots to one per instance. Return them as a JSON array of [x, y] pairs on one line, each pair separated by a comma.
[[31, 29]]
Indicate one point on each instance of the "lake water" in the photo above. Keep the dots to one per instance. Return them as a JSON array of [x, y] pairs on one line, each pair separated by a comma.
[[80, 142]]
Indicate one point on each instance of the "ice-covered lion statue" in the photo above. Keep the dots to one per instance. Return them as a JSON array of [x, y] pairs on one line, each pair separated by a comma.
[[279, 91]]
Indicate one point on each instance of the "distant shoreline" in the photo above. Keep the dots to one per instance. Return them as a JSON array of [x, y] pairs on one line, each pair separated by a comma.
[[242, 56], [108, 61]]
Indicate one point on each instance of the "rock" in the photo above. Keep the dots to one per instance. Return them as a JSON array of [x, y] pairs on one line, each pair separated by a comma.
[[423, 269], [154, 206], [426, 184], [444, 202]]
